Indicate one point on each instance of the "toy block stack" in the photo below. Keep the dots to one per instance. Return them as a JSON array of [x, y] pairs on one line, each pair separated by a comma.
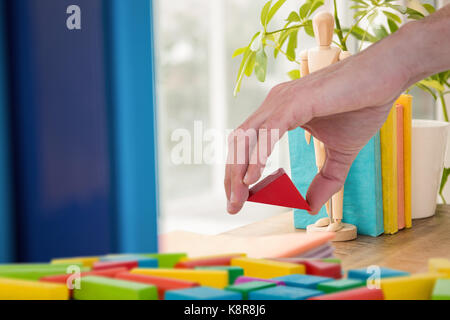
[[169, 276]]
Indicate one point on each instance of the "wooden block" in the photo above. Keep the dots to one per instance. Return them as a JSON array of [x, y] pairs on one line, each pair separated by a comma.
[[267, 269], [233, 271], [85, 261], [278, 189], [340, 285], [247, 287], [362, 274], [165, 260], [143, 262], [13, 289], [62, 278], [208, 278], [216, 256], [441, 290], [400, 168], [35, 273], [415, 287], [353, 294], [101, 288], [439, 265], [244, 279], [283, 293], [202, 293], [161, 283], [302, 280], [212, 261]]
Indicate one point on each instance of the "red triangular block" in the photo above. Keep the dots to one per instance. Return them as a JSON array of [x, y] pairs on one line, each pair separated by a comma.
[[278, 189]]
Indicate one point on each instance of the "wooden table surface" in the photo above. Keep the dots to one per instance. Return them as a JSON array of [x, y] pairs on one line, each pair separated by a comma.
[[408, 250]]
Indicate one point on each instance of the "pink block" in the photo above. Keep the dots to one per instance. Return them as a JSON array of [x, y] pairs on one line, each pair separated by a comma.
[[244, 279]]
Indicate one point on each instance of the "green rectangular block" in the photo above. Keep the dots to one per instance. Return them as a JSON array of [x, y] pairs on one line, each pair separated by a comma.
[[331, 260], [99, 288], [233, 271], [247, 287], [340, 285], [441, 290], [35, 273], [166, 260]]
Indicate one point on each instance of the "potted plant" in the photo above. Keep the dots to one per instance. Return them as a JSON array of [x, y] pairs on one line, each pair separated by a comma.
[[283, 40]]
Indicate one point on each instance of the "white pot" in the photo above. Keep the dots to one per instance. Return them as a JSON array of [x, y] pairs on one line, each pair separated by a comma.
[[429, 143]]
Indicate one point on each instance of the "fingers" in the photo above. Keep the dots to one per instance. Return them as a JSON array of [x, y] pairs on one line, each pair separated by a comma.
[[329, 180]]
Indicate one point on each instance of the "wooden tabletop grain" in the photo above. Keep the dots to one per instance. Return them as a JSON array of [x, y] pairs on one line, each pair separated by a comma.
[[408, 250]]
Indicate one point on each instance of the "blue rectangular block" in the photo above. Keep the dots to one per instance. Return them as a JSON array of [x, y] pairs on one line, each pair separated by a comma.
[[302, 280], [202, 293], [365, 273], [284, 293], [363, 196]]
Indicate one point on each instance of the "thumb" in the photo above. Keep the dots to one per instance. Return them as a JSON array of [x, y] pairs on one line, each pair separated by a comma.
[[329, 180]]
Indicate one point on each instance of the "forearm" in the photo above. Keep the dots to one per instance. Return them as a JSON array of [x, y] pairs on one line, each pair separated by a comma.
[[428, 45]]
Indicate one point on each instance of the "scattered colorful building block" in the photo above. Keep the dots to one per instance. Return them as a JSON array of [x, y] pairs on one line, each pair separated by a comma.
[[62, 278], [340, 285], [85, 261], [365, 273], [13, 289], [211, 261], [165, 260], [415, 287], [136, 262], [202, 293], [319, 267], [247, 287], [279, 190], [283, 293], [101, 288], [245, 279], [302, 280], [233, 271], [439, 265], [162, 284], [441, 290], [353, 294], [208, 278], [267, 269], [30, 273]]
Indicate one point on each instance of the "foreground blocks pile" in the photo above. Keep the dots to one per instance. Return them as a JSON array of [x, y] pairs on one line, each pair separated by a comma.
[[174, 276]]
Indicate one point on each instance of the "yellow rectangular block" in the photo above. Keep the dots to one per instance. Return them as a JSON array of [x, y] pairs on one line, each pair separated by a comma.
[[388, 148], [266, 269], [406, 101], [86, 261], [12, 289], [439, 265], [415, 287], [213, 257], [210, 278]]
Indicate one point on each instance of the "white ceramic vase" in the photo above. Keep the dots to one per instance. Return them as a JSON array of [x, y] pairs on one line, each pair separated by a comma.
[[429, 143]]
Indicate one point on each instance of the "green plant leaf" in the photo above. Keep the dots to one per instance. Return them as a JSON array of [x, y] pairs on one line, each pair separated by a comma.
[[380, 32], [392, 25], [239, 51], [413, 14], [315, 5], [361, 34], [241, 72], [361, 2], [293, 17], [445, 174], [432, 84], [250, 64], [274, 10], [392, 16], [430, 8], [265, 12], [292, 45], [309, 30], [304, 9], [294, 74], [261, 65]]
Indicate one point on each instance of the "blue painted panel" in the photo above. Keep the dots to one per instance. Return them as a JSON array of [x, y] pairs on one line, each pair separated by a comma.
[[363, 198], [6, 226], [364, 274], [202, 293], [60, 130], [284, 293], [133, 122]]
